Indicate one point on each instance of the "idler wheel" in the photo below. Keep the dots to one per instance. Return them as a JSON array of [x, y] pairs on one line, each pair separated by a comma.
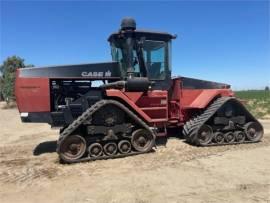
[[124, 146], [110, 148], [229, 137], [204, 135], [219, 137], [239, 136], [95, 150], [254, 131], [72, 148], [142, 140]]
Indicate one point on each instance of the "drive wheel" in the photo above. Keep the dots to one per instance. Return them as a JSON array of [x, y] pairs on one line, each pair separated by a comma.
[[124, 146], [229, 137], [95, 150], [110, 148], [204, 135], [73, 148], [219, 137], [254, 131], [142, 140]]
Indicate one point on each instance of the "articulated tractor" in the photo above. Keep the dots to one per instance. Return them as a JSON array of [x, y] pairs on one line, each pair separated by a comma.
[[119, 108]]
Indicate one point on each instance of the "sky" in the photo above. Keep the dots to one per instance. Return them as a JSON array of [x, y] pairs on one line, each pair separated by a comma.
[[223, 41]]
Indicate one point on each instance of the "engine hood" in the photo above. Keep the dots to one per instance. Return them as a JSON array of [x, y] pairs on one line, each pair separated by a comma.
[[92, 70]]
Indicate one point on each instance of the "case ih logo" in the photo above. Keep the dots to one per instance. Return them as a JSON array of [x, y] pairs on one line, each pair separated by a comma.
[[97, 74]]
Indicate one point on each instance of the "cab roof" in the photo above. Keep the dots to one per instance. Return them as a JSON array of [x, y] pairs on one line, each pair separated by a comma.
[[149, 35]]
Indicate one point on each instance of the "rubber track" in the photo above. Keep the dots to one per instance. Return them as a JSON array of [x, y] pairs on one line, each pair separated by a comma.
[[87, 115], [191, 128]]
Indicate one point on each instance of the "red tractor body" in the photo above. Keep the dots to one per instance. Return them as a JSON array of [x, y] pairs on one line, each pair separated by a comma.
[[165, 108], [119, 108]]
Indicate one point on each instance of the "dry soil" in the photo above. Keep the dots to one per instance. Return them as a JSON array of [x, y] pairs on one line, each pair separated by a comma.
[[175, 172]]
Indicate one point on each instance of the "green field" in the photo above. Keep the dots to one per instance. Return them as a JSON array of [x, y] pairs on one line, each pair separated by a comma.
[[257, 102]]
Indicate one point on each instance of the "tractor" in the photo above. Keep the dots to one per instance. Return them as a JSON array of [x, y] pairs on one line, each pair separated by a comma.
[[119, 108]]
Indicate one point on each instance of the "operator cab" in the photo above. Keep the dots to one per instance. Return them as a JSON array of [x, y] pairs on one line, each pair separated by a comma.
[[142, 53]]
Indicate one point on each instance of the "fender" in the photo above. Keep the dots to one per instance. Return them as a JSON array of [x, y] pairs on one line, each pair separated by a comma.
[[124, 98], [200, 99]]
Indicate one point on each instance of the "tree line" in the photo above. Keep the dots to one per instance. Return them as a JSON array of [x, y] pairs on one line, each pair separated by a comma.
[[7, 77]]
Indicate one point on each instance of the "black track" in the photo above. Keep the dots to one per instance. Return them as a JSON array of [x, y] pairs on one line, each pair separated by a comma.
[[86, 116], [191, 128]]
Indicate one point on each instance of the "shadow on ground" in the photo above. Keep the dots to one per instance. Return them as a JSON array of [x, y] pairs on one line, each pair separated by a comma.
[[50, 146], [45, 147]]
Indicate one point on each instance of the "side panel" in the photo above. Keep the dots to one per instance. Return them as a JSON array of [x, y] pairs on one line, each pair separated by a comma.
[[32, 94], [152, 106], [200, 98]]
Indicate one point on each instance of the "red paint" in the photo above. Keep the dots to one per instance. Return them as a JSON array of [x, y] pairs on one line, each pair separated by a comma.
[[152, 105], [120, 95], [32, 94], [155, 105], [184, 102], [134, 96], [175, 114], [201, 98], [157, 108]]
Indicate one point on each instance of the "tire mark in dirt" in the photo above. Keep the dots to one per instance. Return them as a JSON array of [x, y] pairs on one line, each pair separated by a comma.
[[18, 165], [240, 193]]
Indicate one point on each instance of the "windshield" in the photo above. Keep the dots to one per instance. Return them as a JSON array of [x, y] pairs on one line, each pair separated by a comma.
[[155, 54]]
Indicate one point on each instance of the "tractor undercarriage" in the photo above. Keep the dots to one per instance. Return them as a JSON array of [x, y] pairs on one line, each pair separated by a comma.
[[225, 121], [81, 142]]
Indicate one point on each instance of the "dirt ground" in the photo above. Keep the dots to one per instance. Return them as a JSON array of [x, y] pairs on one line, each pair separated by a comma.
[[177, 172]]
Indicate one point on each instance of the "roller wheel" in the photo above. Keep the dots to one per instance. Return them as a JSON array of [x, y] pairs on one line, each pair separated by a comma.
[[110, 148], [142, 140], [219, 137], [254, 131], [72, 148], [124, 146], [239, 136], [95, 150], [229, 137], [204, 135]]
